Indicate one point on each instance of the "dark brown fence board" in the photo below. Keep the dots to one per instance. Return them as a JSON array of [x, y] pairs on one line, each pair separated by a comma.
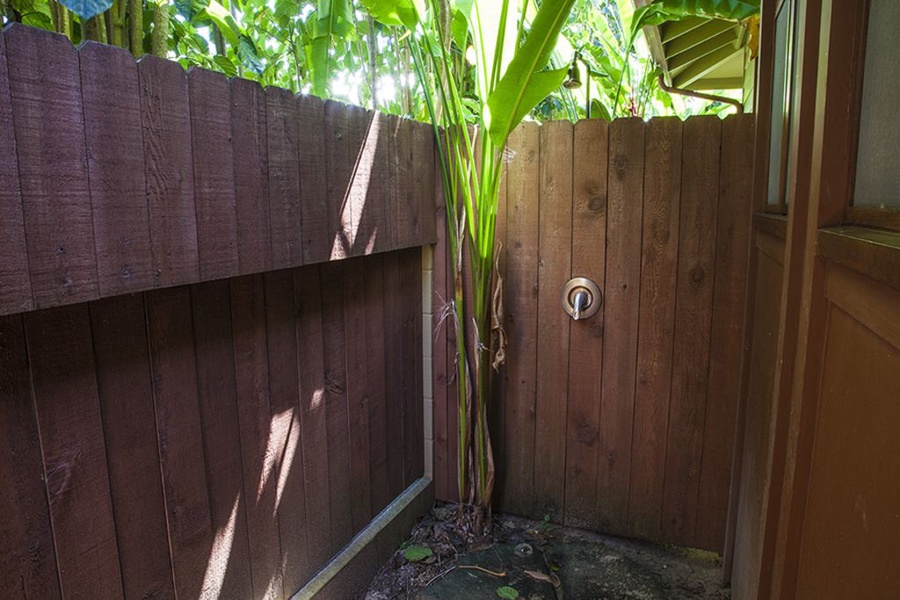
[[15, 285], [662, 167], [168, 160], [440, 368], [115, 158], [586, 337], [693, 316], [725, 339], [620, 307], [287, 444], [357, 392], [119, 328], [282, 123], [251, 375], [376, 217], [49, 128], [393, 326], [410, 274], [336, 409], [251, 176], [339, 175], [71, 433], [554, 269], [27, 560], [363, 153], [373, 276], [229, 561], [421, 148], [521, 318], [314, 199], [214, 197], [311, 364], [179, 434]]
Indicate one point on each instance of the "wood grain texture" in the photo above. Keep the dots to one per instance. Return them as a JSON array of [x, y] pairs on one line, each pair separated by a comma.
[[251, 176], [554, 269], [693, 322], [621, 308], [228, 567], [441, 369], [376, 224], [282, 122], [48, 122], [316, 243], [169, 168], [251, 378], [521, 318], [15, 283], [361, 192], [410, 275], [180, 438], [71, 433], [122, 358], [28, 566], [393, 376], [657, 305], [373, 280], [425, 174], [586, 338], [115, 159], [214, 194]]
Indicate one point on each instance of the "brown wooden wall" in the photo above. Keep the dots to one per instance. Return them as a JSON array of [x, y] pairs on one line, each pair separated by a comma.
[[622, 423], [119, 176], [222, 439]]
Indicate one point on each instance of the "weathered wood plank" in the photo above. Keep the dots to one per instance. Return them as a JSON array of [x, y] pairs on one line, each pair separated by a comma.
[[729, 298], [251, 378], [586, 343], [393, 377], [620, 306], [115, 158], [341, 150], [375, 376], [15, 283], [376, 219], [282, 122], [129, 426], [49, 129], [659, 263], [71, 434], [28, 566], [314, 200], [228, 567], [440, 368], [554, 269], [251, 176], [362, 193], [210, 95], [410, 275], [424, 174], [179, 432], [169, 164], [521, 318]]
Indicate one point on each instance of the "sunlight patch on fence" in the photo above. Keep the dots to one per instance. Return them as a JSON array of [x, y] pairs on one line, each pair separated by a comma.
[[290, 451], [356, 194], [218, 557]]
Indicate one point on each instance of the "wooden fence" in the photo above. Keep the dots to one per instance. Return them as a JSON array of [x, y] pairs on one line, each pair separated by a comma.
[[624, 422], [205, 388]]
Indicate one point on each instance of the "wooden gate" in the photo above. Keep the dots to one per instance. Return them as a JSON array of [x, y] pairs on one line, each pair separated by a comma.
[[624, 422]]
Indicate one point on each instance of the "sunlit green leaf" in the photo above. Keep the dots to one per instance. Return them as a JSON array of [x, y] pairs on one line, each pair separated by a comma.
[[507, 592], [417, 553]]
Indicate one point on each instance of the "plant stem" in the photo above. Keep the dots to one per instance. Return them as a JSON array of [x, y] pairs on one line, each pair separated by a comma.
[[136, 27], [159, 38]]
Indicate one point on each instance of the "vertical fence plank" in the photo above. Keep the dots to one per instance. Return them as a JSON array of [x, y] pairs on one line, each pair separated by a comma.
[[727, 325], [112, 122], [411, 362], [375, 376], [251, 176], [168, 161], [179, 436], [251, 375], [693, 315], [282, 123], [657, 305], [377, 218], [228, 568], [393, 329], [339, 175], [311, 364], [620, 307], [586, 345], [15, 283], [71, 434], [357, 391], [314, 199], [363, 154], [210, 94], [129, 427], [336, 410], [403, 216], [441, 370], [287, 444], [521, 318], [554, 269], [424, 175], [49, 130], [28, 566]]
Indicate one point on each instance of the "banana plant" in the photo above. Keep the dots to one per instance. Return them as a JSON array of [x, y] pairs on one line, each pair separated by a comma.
[[481, 65]]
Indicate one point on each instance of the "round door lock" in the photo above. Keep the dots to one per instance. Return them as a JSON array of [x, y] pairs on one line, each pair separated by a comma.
[[581, 298]]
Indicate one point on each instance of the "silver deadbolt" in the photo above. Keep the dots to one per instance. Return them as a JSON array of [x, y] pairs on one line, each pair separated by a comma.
[[581, 298]]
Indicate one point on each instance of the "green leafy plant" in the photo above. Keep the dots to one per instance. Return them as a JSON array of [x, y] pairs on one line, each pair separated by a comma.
[[508, 592], [417, 553]]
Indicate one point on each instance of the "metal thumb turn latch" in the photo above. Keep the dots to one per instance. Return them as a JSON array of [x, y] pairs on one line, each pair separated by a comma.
[[581, 298]]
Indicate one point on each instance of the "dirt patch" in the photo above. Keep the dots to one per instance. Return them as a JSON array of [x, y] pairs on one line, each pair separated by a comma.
[[540, 561]]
